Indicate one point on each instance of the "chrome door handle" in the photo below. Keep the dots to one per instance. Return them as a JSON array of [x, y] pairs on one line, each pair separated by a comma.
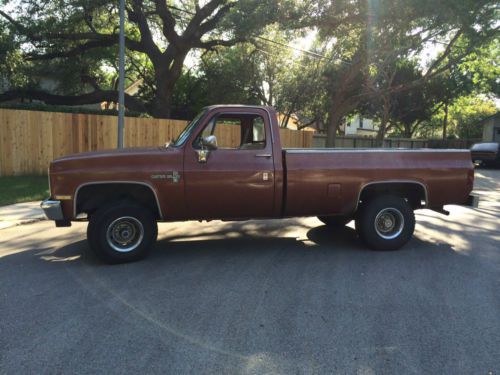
[[263, 156]]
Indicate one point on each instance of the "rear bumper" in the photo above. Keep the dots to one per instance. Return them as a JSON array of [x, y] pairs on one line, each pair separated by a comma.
[[484, 157], [472, 201], [52, 209]]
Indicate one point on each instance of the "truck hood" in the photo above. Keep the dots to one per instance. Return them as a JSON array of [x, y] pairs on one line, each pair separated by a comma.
[[112, 153], [108, 162]]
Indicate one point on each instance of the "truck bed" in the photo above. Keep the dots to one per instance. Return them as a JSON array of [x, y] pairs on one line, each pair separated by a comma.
[[329, 181]]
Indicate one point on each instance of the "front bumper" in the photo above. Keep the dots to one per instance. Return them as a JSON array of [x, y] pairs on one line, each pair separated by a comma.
[[52, 209]]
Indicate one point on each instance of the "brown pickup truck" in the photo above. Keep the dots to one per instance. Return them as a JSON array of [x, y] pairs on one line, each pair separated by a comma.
[[228, 164]]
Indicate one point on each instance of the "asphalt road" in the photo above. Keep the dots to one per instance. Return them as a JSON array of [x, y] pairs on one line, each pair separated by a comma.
[[285, 297]]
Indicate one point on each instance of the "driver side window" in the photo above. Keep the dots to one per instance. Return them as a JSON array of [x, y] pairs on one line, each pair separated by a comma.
[[235, 131]]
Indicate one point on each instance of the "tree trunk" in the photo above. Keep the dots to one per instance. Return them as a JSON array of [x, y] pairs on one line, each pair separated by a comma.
[[407, 131], [167, 73], [445, 120], [162, 104], [383, 123], [381, 132], [334, 119]]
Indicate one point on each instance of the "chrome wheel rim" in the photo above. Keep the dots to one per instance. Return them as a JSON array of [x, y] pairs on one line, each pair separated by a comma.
[[125, 234], [389, 223]]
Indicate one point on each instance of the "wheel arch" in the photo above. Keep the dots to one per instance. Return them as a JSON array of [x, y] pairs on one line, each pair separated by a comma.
[[141, 192], [414, 191]]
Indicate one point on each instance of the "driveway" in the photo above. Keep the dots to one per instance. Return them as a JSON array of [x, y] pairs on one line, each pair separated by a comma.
[[282, 296]]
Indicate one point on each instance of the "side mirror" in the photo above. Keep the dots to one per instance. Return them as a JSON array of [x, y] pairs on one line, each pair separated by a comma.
[[210, 142]]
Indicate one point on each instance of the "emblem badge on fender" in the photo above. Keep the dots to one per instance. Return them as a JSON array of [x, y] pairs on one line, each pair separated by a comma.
[[174, 176], [158, 176]]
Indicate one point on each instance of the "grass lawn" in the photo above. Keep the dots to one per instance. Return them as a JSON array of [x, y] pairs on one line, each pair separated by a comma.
[[23, 189]]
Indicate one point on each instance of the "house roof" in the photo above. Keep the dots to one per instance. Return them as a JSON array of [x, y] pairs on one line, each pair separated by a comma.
[[488, 118]]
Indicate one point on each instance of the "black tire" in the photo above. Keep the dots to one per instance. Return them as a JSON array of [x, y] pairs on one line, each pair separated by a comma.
[[335, 221], [122, 232], [386, 222]]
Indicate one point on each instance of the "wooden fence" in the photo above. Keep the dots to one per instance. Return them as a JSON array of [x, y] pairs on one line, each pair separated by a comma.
[[319, 140], [29, 140]]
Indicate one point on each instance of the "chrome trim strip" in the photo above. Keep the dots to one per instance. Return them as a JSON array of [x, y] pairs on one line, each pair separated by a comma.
[[48, 177], [270, 124], [337, 150], [393, 182], [116, 182]]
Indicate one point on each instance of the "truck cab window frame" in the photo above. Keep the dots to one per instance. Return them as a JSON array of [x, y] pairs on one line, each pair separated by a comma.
[[252, 130]]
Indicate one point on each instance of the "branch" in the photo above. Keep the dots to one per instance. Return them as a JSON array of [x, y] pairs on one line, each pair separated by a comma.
[[17, 24], [211, 23], [97, 96], [92, 39], [211, 44], [446, 52], [193, 28], [137, 16], [168, 21], [307, 124], [78, 50], [92, 81]]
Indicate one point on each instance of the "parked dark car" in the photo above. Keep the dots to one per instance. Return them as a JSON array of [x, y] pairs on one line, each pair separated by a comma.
[[487, 154]]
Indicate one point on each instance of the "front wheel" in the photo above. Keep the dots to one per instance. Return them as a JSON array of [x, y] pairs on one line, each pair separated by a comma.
[[122, 232], [386, 222]]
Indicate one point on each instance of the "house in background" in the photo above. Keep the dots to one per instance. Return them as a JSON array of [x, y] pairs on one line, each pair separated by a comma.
[[131, 90], [491, 128], [359, 126], [296, 123]]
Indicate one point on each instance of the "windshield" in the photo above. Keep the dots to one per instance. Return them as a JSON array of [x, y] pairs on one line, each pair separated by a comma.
[[187, 130], [492, 147]]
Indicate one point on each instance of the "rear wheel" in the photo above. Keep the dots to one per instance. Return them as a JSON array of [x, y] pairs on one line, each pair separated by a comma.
[[335, 221], [386, 222], [122, 232]]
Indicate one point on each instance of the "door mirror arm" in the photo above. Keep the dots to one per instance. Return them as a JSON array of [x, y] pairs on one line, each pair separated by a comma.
[[202, 155]]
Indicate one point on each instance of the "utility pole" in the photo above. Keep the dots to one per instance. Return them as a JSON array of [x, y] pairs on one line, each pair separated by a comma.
[[121, 78]]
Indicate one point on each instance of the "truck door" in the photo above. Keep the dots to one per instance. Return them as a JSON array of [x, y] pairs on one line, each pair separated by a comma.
[[235, 178]]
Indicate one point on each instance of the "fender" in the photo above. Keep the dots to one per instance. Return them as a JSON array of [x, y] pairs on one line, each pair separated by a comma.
[[117, 182]]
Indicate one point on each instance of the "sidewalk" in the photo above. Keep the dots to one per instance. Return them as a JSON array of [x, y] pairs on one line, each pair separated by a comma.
[[20, 213]]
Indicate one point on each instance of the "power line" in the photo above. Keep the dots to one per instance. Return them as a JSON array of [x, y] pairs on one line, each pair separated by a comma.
[[294, 48], [311, 53], [308, 52]]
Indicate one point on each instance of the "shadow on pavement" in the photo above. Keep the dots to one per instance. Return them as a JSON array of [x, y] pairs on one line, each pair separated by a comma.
[[246, 240]]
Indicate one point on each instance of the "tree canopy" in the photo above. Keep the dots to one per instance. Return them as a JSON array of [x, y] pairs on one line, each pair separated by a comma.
[[365, 57]]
